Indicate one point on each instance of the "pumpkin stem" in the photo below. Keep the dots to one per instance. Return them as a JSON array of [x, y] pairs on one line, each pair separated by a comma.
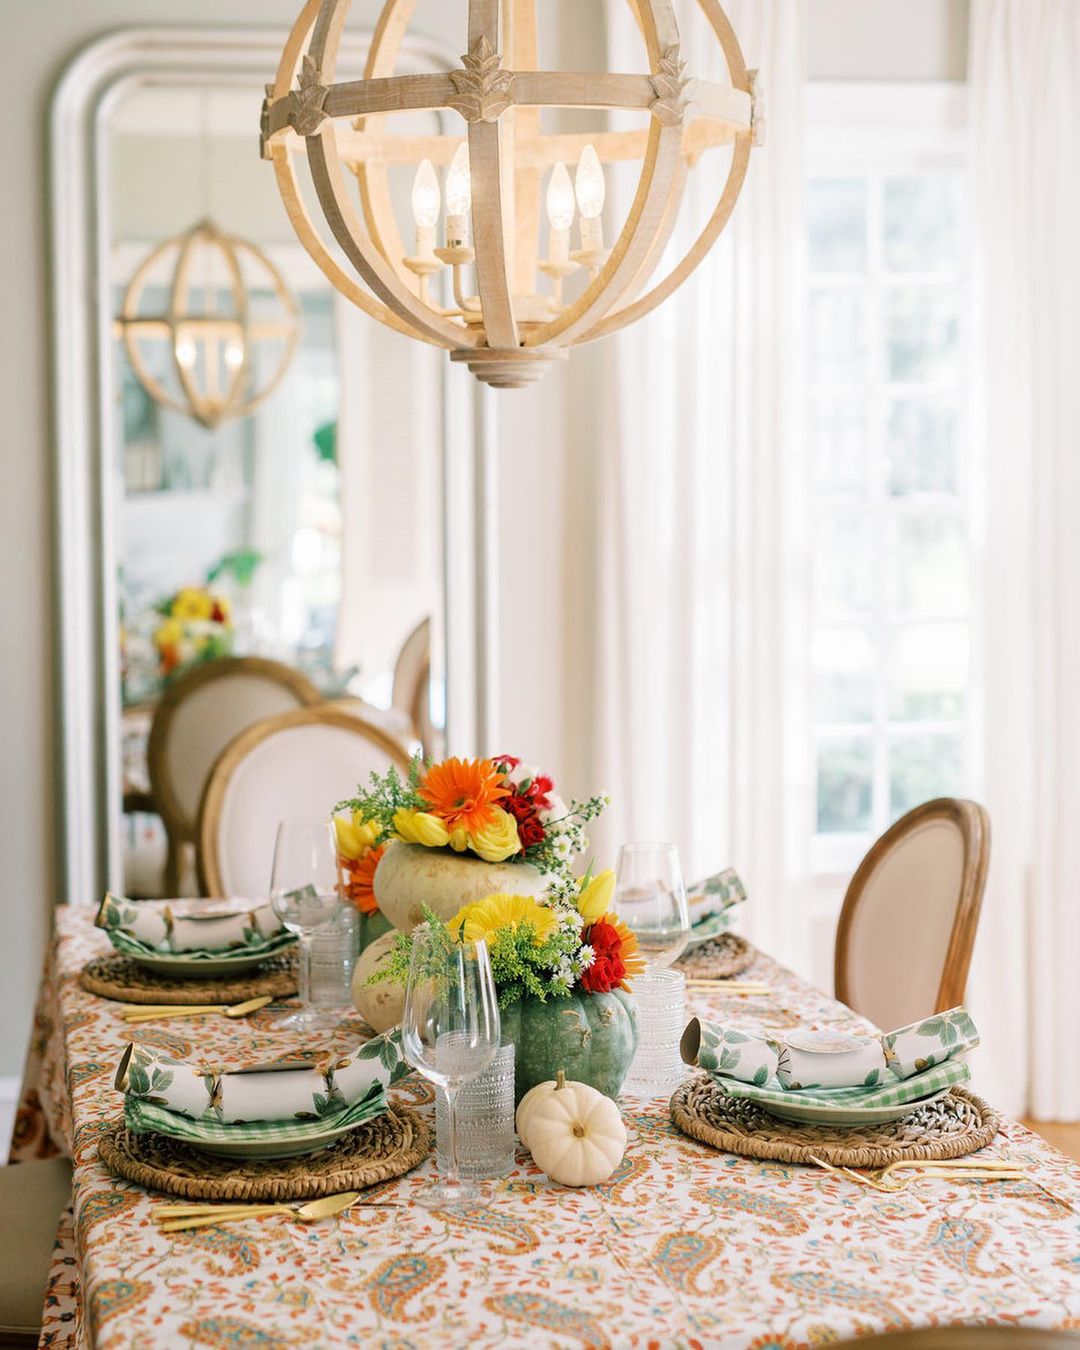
[[579, 1131], [560, 1080]]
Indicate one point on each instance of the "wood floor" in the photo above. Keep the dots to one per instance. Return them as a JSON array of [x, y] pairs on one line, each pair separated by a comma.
[[1064, 1137]]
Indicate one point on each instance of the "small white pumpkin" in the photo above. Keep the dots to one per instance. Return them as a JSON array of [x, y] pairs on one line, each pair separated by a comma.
[[575, 1134]]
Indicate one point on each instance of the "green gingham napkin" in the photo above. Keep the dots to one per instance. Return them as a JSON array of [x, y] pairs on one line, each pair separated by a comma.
[[895, 1093], [131, 946], [144, 1117], [714, 895]]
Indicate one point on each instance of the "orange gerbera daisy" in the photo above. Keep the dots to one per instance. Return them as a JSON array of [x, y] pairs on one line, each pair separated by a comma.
[[463, 793], [615, 956], [360, 879]]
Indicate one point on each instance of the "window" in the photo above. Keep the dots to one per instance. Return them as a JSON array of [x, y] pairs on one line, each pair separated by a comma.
[[889, 492]]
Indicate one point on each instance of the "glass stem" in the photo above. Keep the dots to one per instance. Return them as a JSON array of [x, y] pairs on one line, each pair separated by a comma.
[[452, 1178], [304, 970]]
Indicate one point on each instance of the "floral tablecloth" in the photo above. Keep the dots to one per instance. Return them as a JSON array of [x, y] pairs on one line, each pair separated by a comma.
[[684, 1246]]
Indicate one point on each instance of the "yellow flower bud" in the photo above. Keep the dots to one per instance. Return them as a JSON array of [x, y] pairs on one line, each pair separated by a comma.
[[595, 899], [498, 840], [420, 827], [459, 839], [348, 838], [367, 832]]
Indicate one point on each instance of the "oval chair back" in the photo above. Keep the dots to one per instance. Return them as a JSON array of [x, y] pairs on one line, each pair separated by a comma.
[[195, 720], [908, 923], [299, 763]]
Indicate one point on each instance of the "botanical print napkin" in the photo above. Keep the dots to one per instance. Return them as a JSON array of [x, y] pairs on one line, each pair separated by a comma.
[[931, 1041], [726, 1051], [715, 894], [160, 928], [862, 1064], [294, 1091], [894, 1092]]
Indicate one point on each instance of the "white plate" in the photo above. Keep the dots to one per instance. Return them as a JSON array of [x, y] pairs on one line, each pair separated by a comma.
[[806, 1114], [175, 966]]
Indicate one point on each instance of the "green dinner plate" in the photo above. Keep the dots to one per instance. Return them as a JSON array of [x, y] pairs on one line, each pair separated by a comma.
[[805, 1113]]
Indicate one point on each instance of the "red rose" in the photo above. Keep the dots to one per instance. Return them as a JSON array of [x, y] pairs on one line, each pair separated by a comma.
[[530, 831], [607, 971]]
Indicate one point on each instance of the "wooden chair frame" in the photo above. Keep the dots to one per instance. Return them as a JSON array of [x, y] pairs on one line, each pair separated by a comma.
[[207, 859], [180, 828], [974, 825]]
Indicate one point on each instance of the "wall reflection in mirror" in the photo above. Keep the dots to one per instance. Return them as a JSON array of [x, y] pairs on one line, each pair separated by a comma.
[[277, 492]]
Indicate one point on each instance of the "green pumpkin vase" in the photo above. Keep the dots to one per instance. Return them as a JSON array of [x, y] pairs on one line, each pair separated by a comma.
[[591, 1037]]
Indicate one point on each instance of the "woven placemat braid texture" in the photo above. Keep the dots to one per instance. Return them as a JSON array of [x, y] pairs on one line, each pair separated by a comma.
[[118, 977], [379, 1150], [956, 1124], [718, 959]]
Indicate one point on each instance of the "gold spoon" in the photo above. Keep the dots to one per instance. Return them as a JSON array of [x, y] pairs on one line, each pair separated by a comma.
[[144, 1013], [312, 1212]]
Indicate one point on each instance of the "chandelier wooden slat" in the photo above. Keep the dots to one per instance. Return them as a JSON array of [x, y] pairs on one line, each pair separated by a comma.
[[517, 324]]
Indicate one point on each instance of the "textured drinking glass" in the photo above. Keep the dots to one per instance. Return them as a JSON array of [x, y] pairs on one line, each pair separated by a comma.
[[485, 1122], [305, 892], [657, 1068], [650, 898], [333, 957], [450, 1033]]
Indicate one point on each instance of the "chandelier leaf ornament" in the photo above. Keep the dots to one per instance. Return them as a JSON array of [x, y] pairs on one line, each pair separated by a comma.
[[225, 304], [489, 293]]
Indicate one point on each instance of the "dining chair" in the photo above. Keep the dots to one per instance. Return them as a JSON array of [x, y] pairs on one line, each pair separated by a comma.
[[967, 1338], [33, 1195], [299, 763], [196, 718], [908, 922], [412, 687]]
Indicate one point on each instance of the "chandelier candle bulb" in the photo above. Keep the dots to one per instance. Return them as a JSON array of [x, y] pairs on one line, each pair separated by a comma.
[[590, 189], [458, 198]]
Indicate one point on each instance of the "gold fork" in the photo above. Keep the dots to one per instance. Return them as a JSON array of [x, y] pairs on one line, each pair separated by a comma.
[[923, 1171]]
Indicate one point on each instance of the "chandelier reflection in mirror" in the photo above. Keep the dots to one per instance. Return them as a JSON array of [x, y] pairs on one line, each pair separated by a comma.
[[209, 325], [504, 295]]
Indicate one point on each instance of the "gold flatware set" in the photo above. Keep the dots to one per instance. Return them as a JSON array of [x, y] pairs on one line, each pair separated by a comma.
[[147, 1012], [179, 1218], [886, 1179], [702, 985]]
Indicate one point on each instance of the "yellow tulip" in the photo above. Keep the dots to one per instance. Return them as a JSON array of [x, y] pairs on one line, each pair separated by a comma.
[[355, 838], [421, 827], [459, 839], [595, 898], [498, 840]]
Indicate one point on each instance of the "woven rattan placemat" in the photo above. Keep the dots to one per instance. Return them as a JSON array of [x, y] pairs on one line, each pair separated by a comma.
[[721, 957], [118, 977], [954, 1125], [379, 1150]]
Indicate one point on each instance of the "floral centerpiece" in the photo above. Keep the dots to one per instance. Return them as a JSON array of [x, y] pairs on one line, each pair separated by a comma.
[[196, 626], [485, 848]]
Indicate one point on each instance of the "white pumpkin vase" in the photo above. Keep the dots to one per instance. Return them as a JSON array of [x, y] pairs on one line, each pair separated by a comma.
[[410, 877]]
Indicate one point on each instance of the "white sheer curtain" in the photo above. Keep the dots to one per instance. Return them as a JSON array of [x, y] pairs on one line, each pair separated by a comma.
[[1025, 91], [683, 626]]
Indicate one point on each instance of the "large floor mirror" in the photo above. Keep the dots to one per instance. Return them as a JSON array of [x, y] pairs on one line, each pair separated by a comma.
[[250, 469]]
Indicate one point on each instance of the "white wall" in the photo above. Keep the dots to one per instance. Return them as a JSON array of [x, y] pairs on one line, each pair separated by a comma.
[[850, 39]]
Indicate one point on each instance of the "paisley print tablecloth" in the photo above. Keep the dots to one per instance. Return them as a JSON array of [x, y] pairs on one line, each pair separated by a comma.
[[683, 1246]]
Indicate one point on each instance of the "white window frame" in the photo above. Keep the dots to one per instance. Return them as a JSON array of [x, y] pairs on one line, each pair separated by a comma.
[[853, 128]]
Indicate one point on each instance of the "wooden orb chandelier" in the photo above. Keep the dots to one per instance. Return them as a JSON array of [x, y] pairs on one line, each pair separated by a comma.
[[225, 299], [517, 324]]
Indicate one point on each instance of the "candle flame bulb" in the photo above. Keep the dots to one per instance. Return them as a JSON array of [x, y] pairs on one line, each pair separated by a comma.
[[459, 183], [589, 185], [560, 198], [426, 197]]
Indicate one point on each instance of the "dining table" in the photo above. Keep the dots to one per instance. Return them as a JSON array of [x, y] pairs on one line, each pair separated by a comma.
[[683, 1245]]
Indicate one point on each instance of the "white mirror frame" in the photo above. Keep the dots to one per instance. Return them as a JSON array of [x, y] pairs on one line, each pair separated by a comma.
[[87, 677]]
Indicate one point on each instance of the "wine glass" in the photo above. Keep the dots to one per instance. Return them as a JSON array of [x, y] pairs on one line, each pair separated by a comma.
[[650, 898], [306, 895], [450, 1034]]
